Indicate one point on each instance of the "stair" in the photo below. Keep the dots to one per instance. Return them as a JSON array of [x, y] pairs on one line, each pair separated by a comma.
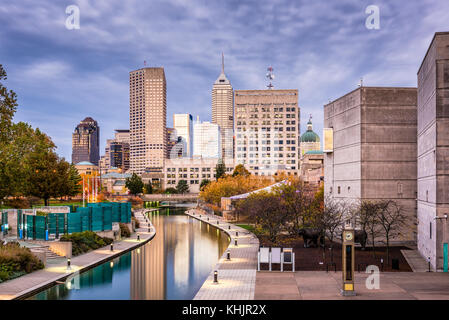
[[48, 253]]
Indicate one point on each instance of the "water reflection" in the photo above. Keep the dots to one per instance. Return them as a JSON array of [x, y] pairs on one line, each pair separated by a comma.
[[173, 265]]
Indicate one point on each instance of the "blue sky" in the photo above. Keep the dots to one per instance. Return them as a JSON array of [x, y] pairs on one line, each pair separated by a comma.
[[321, 48]]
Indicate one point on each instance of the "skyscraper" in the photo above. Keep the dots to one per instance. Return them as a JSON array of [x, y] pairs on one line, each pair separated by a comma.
[[206, 140], [86, 142], [147, 119], [183, 124], [267, 130], [223, 111]]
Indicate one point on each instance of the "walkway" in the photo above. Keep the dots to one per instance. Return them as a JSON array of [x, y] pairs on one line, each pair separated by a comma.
[[237, 277], [32, 283], [319, 285]]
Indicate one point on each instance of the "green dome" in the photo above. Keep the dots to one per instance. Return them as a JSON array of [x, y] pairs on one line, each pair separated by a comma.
[[310, 136]]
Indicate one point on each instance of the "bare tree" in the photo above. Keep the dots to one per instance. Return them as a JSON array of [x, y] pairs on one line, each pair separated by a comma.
[[391, 218], [368, 219]]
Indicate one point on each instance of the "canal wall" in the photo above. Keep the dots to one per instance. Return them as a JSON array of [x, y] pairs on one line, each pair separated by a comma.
[[237, 276], [32, 283]]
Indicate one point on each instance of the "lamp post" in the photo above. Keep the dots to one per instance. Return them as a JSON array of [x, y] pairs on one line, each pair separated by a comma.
[[215, 277], [68, 264], [228, 255]]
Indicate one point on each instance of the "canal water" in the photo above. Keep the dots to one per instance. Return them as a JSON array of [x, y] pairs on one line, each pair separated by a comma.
[[172, 266]]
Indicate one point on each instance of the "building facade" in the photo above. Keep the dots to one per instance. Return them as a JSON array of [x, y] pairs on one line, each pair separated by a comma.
[[86, 142], [193, 171], [206, 140], [267, 128], [310, 141], [183, 124], [433, 151], [223, 112], [147, 119], [373, 156]]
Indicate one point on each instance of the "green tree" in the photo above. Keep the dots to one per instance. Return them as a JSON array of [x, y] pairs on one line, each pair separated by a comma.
[[171, 191], [182, 186], [134, 184], [204, 183], [240, 170], [220, 170], [148, 188]]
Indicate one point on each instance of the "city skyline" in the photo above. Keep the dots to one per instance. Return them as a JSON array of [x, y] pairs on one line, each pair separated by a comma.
[[320, 48]]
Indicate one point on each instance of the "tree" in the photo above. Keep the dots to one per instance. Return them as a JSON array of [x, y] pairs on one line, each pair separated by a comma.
[[148, 188], [368, 219], [220, 170], [240, 170], [134, 184], [391, 218], [204, 183], [171, 191], [182, 186]]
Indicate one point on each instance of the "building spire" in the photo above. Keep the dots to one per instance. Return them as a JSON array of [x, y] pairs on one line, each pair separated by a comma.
[[222, 62]]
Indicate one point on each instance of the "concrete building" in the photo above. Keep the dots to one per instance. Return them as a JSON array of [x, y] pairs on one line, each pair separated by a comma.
[[433, 151], [373, 156], [206, 140], [147, 119], [312, 167], [223, 112], [310, 141], [86, 168], [183, 124], [267, 126], [86, 142], [192, 170]]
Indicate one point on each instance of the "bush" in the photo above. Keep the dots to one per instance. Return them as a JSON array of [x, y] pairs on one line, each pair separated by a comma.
[[136, 201], [124, 230], [86, 241], [16, 261]]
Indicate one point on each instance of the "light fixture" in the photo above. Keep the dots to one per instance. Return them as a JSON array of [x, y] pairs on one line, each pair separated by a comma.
[[218, 222], [228, 255], [112, 264], [68, 264], [229, 227], [138, 237], [235, 242], [215, 277], [236, 233], [112, 247]]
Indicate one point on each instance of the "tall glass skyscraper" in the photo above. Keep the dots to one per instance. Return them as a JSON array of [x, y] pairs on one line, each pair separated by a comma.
[[86, 142]]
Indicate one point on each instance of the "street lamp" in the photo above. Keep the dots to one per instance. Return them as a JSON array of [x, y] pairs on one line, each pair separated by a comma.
[[215, 277], [228, 255], [68, 264]]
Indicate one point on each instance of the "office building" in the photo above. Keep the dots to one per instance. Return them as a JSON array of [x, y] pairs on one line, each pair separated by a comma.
[[183, 124], [223, 112], [433, 152], [206, 140], [147, 119], [370, 149], [267, 132], [86, 142]]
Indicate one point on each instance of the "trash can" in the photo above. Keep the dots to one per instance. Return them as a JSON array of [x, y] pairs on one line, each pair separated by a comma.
[[395, 264]]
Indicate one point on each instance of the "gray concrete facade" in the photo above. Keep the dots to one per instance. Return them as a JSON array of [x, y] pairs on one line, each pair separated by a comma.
[[374, 149], [433, 150]]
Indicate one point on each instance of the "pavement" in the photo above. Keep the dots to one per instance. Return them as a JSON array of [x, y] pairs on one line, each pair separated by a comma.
[[32, 283], [237, 276], [319, 285]]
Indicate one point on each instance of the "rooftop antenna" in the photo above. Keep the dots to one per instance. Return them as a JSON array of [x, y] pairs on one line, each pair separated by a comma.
[[144, 63], [361, 82], [270, 76]]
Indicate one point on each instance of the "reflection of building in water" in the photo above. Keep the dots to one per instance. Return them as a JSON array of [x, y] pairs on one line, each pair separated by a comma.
[[180, 247], [148, 278]]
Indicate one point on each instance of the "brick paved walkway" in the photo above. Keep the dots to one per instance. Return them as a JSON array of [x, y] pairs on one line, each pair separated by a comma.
[[237, 277], [32, 283]]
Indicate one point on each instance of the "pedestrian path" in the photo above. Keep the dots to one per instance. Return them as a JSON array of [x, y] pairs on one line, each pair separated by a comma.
[[34, 282], [237, 276]]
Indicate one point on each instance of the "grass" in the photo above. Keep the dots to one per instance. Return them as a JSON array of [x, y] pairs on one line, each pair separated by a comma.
[[248, 227]]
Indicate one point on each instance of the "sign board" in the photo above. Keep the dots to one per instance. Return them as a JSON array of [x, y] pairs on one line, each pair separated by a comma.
[[264, 255], [276, 255], [328, 134]]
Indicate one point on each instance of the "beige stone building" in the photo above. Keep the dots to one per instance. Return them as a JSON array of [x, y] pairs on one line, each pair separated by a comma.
[[193, 171], [267, 132], [374, 148], [147, 119], [433, 151], [312, 167], [223, 112]]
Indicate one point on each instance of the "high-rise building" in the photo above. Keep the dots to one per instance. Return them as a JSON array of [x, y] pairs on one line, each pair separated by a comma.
[[86, 142], [116, 152], [147, 119], [223, 111], [183, 124], [267, 130], [206, 140], [433, 152]]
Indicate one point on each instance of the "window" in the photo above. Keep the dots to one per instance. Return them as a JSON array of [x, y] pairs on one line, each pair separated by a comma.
[[338, 190]]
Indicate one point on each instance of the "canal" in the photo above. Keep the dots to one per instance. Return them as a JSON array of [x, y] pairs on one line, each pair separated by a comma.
[[172, 266]]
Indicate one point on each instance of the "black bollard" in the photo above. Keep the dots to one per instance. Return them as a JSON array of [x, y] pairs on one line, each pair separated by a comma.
[[215, 276], [228, 255], [235, 242], [138, 237], [112, 247]]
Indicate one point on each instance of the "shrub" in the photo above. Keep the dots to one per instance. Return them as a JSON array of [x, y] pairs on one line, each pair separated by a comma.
[[136, 201], [136, 222], [124, 230], [16, 261], [86, 241]]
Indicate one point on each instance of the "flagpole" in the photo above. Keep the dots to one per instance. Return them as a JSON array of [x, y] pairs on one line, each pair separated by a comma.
[[84, 191]]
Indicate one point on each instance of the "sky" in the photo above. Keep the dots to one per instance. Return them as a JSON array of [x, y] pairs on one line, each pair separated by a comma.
[[322, 48]]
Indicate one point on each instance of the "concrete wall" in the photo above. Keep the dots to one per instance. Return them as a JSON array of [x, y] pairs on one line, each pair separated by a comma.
[[433, 150], [374, 154], [61, 248]]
